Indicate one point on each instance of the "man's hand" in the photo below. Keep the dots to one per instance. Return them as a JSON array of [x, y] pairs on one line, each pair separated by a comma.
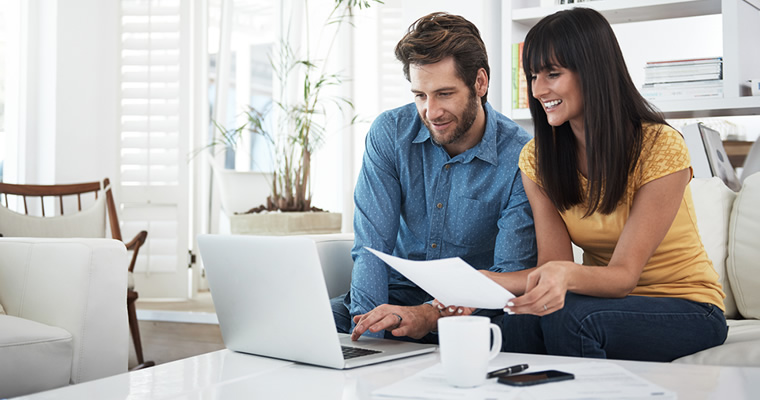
[[447, 311], [414, 321]]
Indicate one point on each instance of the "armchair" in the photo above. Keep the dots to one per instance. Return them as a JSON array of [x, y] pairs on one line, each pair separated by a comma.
[[89, 222], [66, 316]]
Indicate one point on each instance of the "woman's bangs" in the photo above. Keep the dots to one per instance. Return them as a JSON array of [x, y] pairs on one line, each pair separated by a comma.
[[545, 52]]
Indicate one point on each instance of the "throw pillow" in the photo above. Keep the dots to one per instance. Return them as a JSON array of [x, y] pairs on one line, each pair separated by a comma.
[[743, 250], [2, 311], [713, 202]]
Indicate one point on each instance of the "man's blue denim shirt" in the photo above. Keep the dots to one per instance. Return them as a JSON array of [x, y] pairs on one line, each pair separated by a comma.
[[415, 201]]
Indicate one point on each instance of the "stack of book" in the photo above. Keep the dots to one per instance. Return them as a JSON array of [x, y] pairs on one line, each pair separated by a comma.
[[519, 81], [683, 79]]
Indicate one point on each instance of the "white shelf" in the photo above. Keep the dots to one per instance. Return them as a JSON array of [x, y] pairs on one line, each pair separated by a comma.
[[698, 108], [741, 28], [621, 11], [521, 114], [701, 108]]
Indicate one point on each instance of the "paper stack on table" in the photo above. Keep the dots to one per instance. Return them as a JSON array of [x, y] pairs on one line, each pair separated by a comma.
[[593, 380]]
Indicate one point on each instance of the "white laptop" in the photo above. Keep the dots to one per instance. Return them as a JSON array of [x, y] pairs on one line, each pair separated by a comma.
[[271, 300]]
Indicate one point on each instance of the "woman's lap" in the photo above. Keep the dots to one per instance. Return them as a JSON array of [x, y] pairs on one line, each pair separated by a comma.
[[633, 327]]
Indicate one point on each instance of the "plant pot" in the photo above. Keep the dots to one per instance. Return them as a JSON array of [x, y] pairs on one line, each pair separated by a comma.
[[285, 223], [241, 191]]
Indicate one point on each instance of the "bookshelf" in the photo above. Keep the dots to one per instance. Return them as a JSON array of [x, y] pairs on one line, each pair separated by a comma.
[[740, 33]]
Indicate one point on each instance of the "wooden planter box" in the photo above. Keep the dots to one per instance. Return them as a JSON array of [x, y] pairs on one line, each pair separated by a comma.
[[285, 223]]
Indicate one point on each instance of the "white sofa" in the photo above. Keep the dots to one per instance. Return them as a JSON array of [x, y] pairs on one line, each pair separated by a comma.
[[66, 321], [730, 228], [335, 257], [729, 224]]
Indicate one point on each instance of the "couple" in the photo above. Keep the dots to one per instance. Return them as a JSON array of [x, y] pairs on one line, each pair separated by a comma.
[[449, 176]]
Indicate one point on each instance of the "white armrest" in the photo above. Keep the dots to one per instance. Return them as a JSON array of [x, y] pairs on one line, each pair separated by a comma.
[[335, 258], [79, 285]]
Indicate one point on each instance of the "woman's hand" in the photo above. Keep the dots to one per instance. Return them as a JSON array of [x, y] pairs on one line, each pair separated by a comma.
[[545, 290]]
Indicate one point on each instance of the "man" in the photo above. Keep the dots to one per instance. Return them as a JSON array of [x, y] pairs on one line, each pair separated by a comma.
[[439, 179]]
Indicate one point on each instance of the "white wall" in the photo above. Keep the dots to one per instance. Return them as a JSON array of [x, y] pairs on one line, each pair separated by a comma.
[[72, 82]]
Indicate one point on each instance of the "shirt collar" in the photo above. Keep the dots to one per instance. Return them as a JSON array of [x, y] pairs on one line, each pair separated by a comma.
[[484, 150]]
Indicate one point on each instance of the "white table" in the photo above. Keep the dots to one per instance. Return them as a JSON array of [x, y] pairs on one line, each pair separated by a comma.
[[228, 375]]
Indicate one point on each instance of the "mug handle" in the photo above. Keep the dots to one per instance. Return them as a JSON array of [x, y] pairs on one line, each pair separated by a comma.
[[496, 345]]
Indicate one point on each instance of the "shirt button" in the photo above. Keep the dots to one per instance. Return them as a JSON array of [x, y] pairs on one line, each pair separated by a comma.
[[447, 166], [439, 205], [433, 245]]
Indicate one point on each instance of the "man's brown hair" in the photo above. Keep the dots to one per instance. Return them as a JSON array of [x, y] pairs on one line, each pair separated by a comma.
[[439, 35]]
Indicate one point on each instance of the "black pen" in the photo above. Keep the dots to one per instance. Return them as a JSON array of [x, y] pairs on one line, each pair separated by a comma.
[[507, 371]]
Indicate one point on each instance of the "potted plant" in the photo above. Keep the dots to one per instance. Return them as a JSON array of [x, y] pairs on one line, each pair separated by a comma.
[[300, 130], [238, 189]]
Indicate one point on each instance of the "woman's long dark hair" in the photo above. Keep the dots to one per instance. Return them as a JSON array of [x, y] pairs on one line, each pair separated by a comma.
[[582, 41]]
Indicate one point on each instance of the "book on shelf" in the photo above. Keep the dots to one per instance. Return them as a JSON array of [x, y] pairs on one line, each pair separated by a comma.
[[519, 81], [683, 79], [522, 95], [683, 90], [515, 74], [701, 69], [684, 68], [690, 61]]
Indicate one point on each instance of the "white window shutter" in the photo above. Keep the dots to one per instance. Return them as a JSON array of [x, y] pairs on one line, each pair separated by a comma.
[[393, 87], [155, 121]]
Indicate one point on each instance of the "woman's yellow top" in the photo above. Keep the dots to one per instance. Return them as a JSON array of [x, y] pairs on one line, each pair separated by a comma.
[[679, 266]]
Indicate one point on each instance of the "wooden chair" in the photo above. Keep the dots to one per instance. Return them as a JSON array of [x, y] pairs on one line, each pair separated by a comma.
[[41, 227]]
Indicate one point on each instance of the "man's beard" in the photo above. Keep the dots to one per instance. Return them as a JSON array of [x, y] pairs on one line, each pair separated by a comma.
[[465, 122]]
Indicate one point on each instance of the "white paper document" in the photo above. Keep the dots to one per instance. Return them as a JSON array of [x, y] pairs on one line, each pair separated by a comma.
[[593, 381], [597, 381], [431, 384], [451, 280]]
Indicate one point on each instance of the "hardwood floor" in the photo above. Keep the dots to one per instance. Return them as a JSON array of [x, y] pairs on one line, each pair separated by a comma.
[[166, 341], [170, 341]]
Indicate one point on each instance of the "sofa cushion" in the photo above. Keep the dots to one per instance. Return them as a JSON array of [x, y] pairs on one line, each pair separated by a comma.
[[742, 347], [33, 356], [743, 264], [713, 202], [2, 310]]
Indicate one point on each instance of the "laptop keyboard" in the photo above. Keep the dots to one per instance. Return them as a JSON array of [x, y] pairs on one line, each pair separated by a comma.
[[353, 352]]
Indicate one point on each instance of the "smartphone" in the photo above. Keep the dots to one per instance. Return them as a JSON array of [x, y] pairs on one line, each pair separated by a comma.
[[535, 378]]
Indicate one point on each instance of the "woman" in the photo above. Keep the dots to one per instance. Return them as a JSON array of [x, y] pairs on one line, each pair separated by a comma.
[[606, 172]]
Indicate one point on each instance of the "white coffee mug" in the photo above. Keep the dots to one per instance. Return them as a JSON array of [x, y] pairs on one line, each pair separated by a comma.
[[464, 345]]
